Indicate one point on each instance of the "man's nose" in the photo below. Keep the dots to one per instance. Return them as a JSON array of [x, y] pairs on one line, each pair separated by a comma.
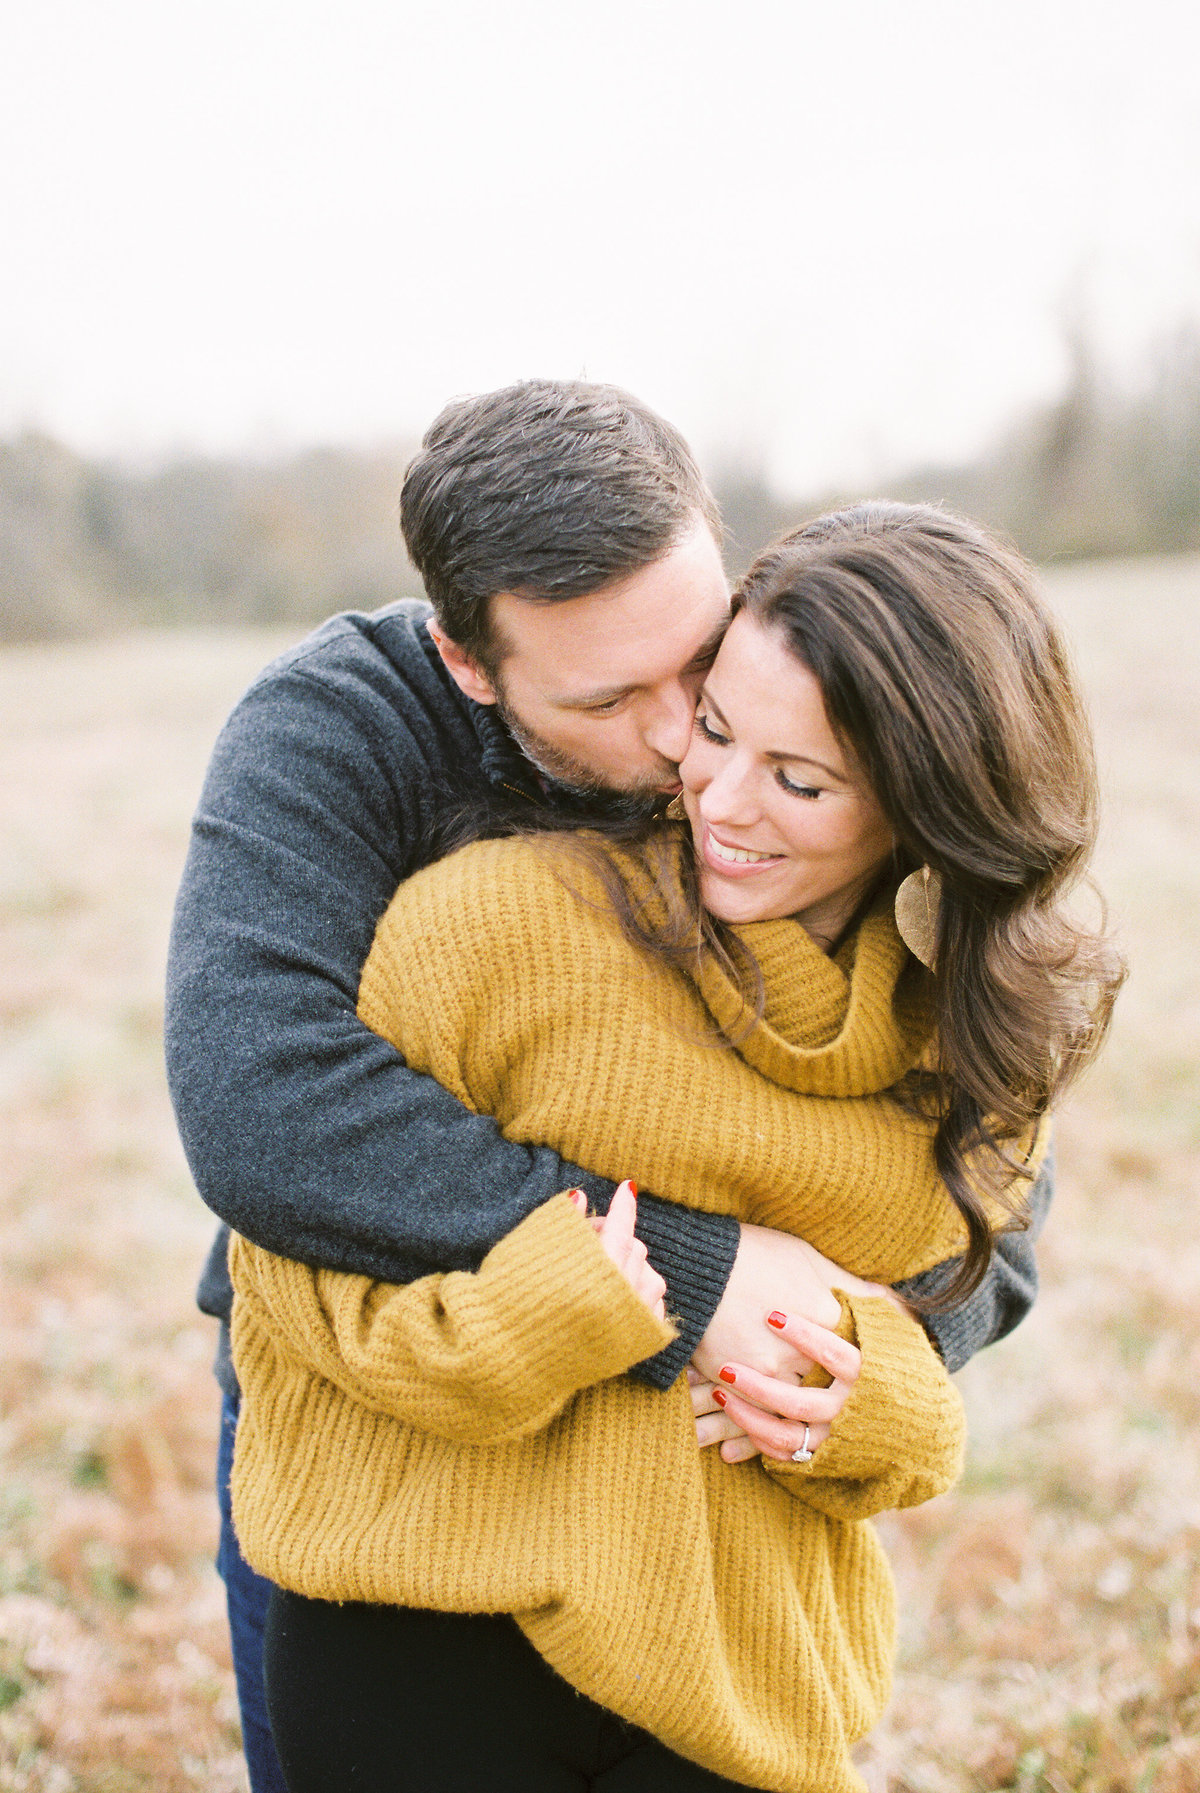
[[668, 729]]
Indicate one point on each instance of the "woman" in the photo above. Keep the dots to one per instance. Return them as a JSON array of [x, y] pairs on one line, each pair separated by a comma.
[[891, 708]]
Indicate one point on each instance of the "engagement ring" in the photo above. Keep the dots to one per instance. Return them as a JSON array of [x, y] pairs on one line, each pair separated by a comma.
[[803, 1455]]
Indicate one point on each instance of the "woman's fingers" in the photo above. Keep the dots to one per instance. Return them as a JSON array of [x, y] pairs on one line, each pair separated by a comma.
[[782, 1400], [837, 1355], [616, 1234], [776, 1438], [653, 1291]]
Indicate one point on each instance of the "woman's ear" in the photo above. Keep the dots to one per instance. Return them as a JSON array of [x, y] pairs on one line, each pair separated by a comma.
[[465, 673]]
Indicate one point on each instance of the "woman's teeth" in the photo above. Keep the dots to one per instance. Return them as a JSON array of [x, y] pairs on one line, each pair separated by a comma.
[[736, 855]]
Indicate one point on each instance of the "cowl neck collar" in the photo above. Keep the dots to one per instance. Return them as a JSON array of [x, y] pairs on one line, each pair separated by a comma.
[[831, 1026]]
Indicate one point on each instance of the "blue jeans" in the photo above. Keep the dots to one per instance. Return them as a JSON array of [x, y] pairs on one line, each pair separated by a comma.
[[246, 1595]]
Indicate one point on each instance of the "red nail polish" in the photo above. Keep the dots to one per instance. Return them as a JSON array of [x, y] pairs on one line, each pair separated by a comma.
[[777, 1320], [719, 1396], [727, 1375], [632, 1187]]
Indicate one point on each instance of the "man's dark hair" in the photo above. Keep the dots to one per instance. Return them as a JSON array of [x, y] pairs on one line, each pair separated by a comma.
[[550, 488]]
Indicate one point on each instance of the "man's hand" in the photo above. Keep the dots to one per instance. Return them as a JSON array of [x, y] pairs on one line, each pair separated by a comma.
[[774, 1272]]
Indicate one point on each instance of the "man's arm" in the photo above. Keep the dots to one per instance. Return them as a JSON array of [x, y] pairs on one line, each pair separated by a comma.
[[1005, 1295], [304, 1130], [773, 1270]]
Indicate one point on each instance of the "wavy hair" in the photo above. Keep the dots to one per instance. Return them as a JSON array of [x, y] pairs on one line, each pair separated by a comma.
[[946, 678], [945, 675]]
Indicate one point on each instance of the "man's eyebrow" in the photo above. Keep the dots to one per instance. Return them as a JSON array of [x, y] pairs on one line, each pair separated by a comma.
[[700, 661], [795, 759], [704, 656], [587, 700]]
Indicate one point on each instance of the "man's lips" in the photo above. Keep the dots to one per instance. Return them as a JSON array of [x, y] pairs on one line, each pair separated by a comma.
[[732, 860]]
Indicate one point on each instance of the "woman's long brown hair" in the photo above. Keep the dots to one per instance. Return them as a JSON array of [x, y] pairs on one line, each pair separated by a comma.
[[945, 676]]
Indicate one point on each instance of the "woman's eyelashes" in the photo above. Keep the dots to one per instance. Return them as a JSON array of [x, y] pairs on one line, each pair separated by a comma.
[[707, 732], [809, 791]]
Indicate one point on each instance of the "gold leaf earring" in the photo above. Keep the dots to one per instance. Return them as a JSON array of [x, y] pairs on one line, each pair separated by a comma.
[[917, 903], [675, 811]]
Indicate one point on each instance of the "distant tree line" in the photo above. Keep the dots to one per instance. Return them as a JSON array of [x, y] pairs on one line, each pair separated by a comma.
[[1107, 469], [89, 546]]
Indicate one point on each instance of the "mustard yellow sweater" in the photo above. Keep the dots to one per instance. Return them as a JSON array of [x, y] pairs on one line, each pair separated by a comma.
[[470, 1442]]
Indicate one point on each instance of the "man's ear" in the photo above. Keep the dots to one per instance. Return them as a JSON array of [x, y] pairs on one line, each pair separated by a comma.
[[465, 673]]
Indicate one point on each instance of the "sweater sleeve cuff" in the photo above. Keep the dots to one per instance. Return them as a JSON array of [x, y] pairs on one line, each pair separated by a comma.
[[694, 1253], [1003, 1298], [901, 1435], [554, 1257], [899, 1408]]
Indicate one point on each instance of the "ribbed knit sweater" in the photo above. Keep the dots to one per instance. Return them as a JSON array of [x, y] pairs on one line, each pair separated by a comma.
[[470, 1443]]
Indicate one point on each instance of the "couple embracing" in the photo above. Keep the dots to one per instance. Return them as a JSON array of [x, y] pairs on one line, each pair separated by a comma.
[[543, 1478]]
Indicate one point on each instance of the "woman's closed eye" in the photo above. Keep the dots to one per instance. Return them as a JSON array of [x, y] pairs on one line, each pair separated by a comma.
[[707, 732], [809, 791]]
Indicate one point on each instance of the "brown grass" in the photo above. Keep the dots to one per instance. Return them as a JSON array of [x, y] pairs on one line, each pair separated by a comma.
[[1051, 1605]]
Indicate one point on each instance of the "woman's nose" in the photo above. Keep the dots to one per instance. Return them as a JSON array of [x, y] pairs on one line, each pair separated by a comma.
[[728, 795]]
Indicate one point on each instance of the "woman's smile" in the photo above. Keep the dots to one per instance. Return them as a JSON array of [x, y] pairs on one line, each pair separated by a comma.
[[730, 860]]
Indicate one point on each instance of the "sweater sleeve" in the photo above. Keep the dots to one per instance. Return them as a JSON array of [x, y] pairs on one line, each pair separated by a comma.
[[480, 1357], [304, 1130], [901, 1436], [1005, 1295]]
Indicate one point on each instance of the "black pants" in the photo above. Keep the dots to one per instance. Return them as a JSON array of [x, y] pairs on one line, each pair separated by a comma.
[[400, 1701]]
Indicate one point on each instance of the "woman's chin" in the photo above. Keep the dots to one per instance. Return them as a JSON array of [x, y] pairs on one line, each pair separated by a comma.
[[735, 903]]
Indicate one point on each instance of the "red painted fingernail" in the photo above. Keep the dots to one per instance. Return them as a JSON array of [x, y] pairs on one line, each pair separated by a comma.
[[727, 1375], [632, 1187], [777, 1320], [719, 1397]]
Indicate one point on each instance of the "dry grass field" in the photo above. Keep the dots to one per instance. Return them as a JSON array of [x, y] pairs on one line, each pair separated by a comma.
[[1051, 1605]]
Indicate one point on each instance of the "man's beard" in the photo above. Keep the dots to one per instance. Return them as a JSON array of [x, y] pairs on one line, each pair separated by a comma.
[[635, 802]]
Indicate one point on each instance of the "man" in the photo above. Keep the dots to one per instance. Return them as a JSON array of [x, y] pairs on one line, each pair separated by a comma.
[[569, 546]]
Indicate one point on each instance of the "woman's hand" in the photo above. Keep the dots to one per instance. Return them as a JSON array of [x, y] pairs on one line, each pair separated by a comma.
[[615, 1231], [773, 1270], [750, 1413]]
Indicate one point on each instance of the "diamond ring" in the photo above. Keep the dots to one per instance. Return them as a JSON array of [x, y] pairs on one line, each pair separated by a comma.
[[803, 1455]]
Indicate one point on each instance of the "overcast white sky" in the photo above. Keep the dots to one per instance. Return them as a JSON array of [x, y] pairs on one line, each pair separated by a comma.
[[844, 234]]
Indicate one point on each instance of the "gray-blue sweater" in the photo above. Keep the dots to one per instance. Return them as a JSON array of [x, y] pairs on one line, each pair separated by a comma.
[[333, 780]]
